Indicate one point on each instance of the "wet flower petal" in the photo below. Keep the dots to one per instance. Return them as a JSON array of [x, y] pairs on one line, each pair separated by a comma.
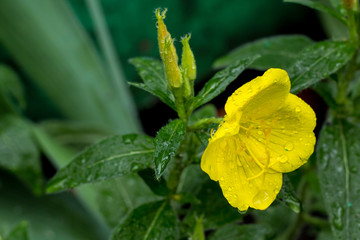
[[267, 131]]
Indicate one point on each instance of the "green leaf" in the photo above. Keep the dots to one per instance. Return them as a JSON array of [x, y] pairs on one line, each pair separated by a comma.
[[12, 99], [117, 197], [56, 152], [240, 232], [212, 200], [198, 233], [288, 196], [55, 217], [19, 153], [167, 142], [318, 62], [157, 186], [218, 83], [278, 51], [152, 73], [155, 220], [320, 7], [75, 135], [64, 63], [111, 157], [338, 160], [327, 90], [20, 232]]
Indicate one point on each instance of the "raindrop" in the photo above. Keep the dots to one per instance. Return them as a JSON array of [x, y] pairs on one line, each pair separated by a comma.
[[283, 158], [288, 146], [222, 179], [297, 109], [337, 216], [229, 189], [260, 132], [242, 211], [235, 196], [134, 167]]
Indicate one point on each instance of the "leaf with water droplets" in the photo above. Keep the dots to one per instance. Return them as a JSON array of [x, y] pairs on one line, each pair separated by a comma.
[[288, 196], [320, 7], [156, 220], [167, 142], [338, 158], [218, 83], [278, 51], [111, 157], [317, 62], [152, 73]]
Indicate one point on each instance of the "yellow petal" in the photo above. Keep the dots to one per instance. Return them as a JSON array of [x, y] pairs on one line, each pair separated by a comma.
[[243, 181], [284, 140], [292, 137], [261, 96]]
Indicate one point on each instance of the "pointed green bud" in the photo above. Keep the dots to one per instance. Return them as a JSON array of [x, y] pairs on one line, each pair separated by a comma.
[[172, 70], [187, 60], [163, 33], [348, 4]]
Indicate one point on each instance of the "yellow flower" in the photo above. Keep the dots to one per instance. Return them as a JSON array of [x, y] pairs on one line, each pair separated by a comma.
[[267, 131]]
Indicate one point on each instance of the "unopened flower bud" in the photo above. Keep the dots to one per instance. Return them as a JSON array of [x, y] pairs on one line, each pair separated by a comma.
[[163, 33], [172, 70], [348, 4], [187, 60]]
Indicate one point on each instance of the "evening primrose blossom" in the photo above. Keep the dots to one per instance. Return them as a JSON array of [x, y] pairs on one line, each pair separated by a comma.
[[267, 131]]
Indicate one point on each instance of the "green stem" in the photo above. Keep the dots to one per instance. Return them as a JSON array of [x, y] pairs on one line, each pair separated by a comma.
[[201, 124], [314, 220]]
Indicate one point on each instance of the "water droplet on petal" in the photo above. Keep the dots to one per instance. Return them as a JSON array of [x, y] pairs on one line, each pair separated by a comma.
[[260, 199], [222, 179], [229, 189], [297, 109], [289, 146], [283, 158], [259, 132]]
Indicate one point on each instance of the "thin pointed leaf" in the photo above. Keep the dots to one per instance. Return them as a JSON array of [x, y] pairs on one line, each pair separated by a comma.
[[152, 73], [338, 160], [155, 220], [64, 63], [114, 156], [167, 142], [320, 7], [278, 51], [218, 83], [288, 196], [318, 62]]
